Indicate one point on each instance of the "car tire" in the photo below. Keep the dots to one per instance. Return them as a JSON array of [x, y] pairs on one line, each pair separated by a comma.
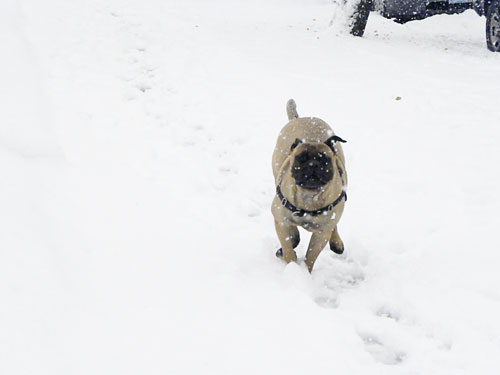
[[360, 17], [493, 26]]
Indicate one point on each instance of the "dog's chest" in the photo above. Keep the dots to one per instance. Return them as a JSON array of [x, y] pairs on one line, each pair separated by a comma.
[[313, 223]]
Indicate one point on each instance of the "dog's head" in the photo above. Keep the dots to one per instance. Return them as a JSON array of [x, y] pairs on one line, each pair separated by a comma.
[[313, 163]]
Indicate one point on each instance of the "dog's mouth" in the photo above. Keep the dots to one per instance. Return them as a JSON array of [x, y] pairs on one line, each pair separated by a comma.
[[311, 184], [312, 170]]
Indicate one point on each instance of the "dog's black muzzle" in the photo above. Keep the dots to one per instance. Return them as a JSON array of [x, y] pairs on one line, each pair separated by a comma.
[[312, 170]]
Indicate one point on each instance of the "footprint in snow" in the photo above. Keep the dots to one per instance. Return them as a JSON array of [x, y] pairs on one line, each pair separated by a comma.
[[381, 352], [333, 275], [327, 299], [404, 322], [387, 312], [143, 87]]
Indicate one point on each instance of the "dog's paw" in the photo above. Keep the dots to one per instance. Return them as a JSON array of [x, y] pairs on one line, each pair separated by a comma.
[[336, 248], [295, 243]]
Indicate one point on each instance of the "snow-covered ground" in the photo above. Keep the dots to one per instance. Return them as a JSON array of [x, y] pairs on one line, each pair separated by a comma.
[[135, 154]]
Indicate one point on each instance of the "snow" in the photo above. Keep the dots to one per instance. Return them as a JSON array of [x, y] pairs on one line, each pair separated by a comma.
[[136, 145]]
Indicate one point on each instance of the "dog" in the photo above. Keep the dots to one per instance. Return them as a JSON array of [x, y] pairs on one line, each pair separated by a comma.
[[311, 180]]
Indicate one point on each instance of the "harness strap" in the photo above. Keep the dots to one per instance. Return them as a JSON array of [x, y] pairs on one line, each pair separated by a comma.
[[300, 212]]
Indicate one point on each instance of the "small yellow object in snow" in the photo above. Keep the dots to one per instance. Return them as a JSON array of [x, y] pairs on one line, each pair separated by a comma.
[[398, 98]]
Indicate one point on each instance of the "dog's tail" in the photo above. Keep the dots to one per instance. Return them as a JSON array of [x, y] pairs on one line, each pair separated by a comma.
[[291, 109]]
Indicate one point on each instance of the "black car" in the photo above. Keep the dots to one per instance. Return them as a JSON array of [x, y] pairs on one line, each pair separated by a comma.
[[408, 10]]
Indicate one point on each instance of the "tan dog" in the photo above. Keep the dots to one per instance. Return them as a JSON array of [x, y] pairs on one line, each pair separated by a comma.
[[310, 177]]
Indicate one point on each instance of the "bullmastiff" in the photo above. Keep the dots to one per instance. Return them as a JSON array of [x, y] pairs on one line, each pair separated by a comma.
[[311, 180]]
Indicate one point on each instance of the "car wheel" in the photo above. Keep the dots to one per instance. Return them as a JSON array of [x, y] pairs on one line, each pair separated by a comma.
[[360, 17], [493, 26]]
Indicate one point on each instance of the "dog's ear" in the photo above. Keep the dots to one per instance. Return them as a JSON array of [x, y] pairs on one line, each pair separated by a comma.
[[295, 143], [332, 140]]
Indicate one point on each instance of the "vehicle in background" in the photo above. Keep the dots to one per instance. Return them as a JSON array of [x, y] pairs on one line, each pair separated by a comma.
[[409, 10]]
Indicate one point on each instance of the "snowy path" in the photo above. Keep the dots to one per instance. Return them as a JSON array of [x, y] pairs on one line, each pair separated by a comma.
[[135, 148]]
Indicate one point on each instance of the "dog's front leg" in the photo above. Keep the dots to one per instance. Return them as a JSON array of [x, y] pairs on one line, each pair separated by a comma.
[[286, 236], [318, 242]]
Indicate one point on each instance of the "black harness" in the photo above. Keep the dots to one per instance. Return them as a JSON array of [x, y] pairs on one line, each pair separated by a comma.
[[300, 212]]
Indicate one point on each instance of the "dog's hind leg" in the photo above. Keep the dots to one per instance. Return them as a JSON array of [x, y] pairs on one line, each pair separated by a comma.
[[336, 244], [295, 237], [289, 239]]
